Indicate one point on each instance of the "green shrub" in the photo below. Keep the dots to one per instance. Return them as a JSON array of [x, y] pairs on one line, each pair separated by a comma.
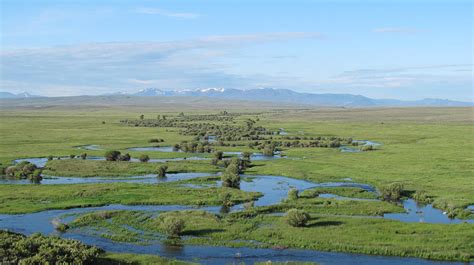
[[39, 249], [50, 157], [218, 155], [161, 170], [36, 175], [172, 226], [297, 218], [125, 157], [72, 156], [268, 150], [422, 197], [112, 155], [2, 170], [226, 199], [230, 180], [24, 170], [176, 147], [144, 158], [59, 226], [83, 156], [293, 194], [365, 148], [156, 140], [246, 155], [392, 192]]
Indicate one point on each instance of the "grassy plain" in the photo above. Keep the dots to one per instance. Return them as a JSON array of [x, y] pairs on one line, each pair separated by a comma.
[[32, 198], [358, 235], [428, 149]]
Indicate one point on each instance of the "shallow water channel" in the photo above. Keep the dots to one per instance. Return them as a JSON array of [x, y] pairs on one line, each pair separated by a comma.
[[273, 188], [41, 161], [170, 149], [356, 149], [41, 222]]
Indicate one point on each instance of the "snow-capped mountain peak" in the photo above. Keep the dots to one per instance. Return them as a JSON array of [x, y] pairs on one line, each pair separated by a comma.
[[293, 97], [147, 92], [19, 95], [211, 89]]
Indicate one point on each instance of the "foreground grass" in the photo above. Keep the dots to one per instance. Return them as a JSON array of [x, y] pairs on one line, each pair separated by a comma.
[[91, 168], [345, 234], [136, 259], [16, 199], [425, 149]]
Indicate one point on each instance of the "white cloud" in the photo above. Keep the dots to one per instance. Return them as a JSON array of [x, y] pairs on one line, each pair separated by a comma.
[[167, 13], [404, 78], [96, 68]]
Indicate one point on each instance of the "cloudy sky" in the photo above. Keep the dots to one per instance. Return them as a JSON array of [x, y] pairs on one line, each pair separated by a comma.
[[382, 49]]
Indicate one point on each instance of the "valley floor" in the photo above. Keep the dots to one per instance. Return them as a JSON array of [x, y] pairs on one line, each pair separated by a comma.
[[427, 150]]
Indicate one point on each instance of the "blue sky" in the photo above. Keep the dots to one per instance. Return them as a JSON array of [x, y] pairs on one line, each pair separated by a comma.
[[381, 49]]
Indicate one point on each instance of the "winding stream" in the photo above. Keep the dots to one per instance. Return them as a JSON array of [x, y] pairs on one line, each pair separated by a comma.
[[41, 222], [145, 179], [273, 188], [356, 149], [41, 161], [170, 149]]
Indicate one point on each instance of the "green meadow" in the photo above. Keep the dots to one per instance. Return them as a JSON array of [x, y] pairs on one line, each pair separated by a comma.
[[425, 149]]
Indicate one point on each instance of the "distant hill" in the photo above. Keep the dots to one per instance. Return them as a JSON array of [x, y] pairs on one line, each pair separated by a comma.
[[290, 96], [279, 96], [20, 95]]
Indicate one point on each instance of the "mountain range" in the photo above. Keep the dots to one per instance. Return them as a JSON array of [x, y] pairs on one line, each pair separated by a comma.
[[279, 96], [290, 96], [20, 95]]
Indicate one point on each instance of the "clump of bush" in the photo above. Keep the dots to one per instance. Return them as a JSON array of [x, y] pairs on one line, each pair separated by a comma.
[[231, 178], [297, 218], [144, 158], [226, 199], [156, 140], [112, 155], [268, 150], [115, 156], [59, 226], [172, 226], [293, 194], [366, 148], [421, 196], [38, 249], [24, 170], [83, 156], [218, 155], [125, 157], [161, 170], [392, 192], [245, 162]]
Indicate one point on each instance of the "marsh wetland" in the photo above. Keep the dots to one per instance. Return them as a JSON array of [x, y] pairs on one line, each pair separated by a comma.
[[232, 186]]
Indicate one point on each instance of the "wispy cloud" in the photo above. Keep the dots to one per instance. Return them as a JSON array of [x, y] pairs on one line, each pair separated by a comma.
[[101, 67], [397, 30], [404, 77], [453, 67], [167, 13]]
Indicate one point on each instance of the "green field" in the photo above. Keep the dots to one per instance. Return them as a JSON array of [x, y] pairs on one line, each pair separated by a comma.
[[425, 149]]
